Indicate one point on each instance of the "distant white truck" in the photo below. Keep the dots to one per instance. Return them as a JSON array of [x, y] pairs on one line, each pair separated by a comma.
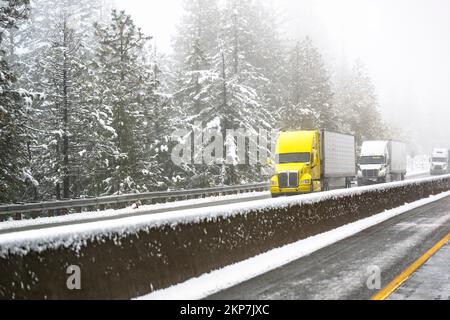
[[382, 161], [439, 161]]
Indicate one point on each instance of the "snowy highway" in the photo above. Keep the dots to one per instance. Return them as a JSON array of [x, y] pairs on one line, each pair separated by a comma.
[[341, 271], [330, 258], [224, 150]]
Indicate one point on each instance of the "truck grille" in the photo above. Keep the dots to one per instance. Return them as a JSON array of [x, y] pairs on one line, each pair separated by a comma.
[[288, 180], [370, 173]]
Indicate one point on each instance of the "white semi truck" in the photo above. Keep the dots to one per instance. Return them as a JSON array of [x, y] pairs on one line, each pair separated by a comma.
[[439, 161], [382, 161]]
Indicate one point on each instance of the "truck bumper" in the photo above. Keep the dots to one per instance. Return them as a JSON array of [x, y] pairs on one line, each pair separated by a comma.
[[369, 181], [275, 191], [437, 172]]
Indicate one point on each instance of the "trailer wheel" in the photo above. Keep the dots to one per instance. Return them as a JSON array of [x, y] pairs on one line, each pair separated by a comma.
[[348, 183], [325, 186]]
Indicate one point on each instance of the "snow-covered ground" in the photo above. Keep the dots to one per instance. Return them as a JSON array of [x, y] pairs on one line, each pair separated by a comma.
[[418, 165], [75, 236], [79, 217], [232, 275]]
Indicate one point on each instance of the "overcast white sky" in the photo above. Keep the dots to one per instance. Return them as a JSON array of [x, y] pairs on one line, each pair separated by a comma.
[[404, 43]]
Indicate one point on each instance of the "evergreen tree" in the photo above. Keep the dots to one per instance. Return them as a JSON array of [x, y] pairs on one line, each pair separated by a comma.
[[358, 105], [194, 47], [13, 162], [238, 105], [310, 98], [55, 44], [128, 88]]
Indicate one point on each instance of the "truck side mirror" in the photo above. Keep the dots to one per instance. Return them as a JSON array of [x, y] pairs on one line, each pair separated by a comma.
[[269, 162]]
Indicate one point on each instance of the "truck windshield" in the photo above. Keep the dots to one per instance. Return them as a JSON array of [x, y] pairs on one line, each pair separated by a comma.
[[438, 160], [372, 160], [293, 158]]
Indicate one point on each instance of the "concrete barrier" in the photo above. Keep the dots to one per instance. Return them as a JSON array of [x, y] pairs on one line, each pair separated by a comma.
[[115, 265]]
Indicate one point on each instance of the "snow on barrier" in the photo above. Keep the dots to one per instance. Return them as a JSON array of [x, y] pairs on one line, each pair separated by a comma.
[[126, 258]]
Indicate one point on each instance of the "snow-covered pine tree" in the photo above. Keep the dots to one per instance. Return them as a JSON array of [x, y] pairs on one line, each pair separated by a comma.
[[356, 99], [310, 98], [126, 79], [238, 103], [266, 52], [158, 125], [33, 43], [194, 47], [61, 67], [13, 101], [222, 84]]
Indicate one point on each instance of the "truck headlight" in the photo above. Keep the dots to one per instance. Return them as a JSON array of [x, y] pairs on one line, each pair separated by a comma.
[[303, 182], [382, 173], [274, 181]]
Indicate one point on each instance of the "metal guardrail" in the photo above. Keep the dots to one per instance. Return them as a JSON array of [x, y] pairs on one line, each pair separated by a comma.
[[101, 203]]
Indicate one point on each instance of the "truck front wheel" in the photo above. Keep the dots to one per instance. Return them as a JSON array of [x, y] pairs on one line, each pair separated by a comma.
[[348, 183]]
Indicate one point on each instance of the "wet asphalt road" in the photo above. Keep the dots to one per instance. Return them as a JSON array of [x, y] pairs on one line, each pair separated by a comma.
[[429, 282], [342, 270]]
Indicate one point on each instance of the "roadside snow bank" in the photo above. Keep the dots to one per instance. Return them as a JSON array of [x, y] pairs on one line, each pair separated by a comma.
[[90, 215], [76, 236]]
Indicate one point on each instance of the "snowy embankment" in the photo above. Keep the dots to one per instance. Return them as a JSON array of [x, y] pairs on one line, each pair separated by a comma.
[[418, 173], [418, 166], [216, 281], [113, 213], [76, 236]]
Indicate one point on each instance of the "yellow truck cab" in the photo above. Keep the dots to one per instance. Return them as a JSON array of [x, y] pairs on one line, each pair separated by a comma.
[[297, 163], [307, 161]]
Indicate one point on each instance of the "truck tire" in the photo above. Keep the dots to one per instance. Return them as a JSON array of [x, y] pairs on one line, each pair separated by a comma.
[[325, 186], [360, 183], [348, 183]]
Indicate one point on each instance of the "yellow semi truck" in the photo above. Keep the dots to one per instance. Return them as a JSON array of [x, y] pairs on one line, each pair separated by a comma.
[[311, 161]]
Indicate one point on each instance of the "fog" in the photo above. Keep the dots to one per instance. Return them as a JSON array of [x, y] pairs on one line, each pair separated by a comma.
[[404, 44]]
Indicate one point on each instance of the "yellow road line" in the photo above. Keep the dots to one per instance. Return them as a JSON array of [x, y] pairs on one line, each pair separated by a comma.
[[398, 281]]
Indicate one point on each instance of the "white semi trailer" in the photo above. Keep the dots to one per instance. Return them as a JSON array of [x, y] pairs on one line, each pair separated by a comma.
[[382, 161]]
